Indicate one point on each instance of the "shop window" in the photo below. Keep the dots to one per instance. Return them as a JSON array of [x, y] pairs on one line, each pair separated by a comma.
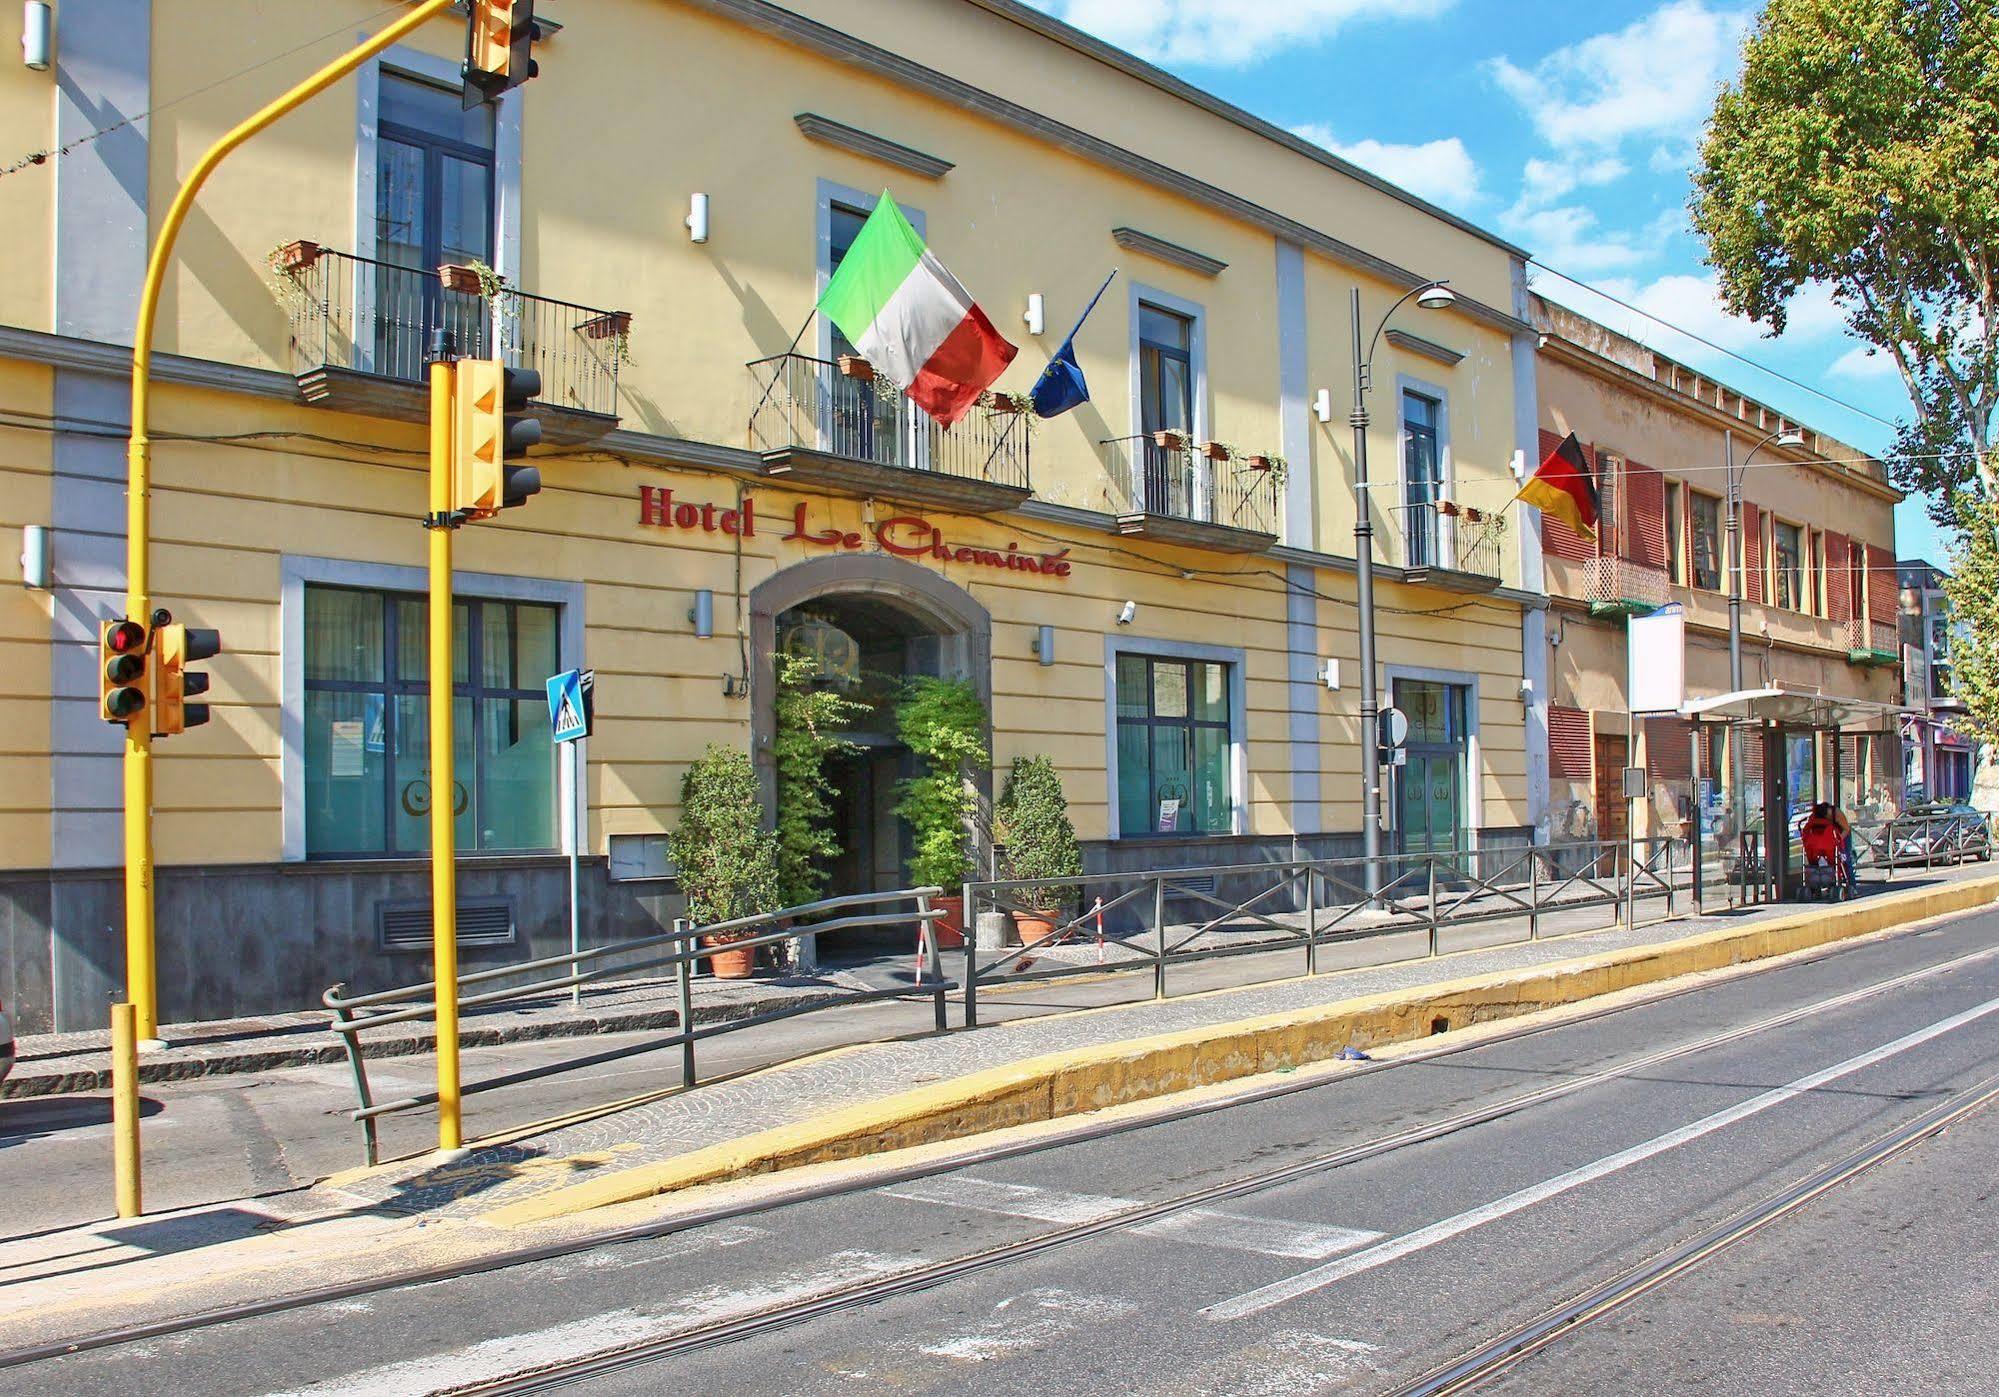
[[1705, 516], [1175, 748], [367, 738]]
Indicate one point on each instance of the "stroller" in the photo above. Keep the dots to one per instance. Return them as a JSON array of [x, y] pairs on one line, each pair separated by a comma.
[[1826, 874]]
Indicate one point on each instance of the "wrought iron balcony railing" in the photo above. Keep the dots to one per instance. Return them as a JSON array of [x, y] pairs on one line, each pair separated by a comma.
[[813, 421], [1619, 586], [1452, 545], [1166, 486], [354, 316]]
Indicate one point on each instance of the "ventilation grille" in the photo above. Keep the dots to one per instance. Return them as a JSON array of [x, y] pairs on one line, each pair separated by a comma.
[[1203, 883], [407, 925]]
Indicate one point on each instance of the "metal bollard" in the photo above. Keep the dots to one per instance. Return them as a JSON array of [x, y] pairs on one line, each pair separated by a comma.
[[1159, 929], [125, 1107], [1436, 927], [684, 975], [1311, 920]]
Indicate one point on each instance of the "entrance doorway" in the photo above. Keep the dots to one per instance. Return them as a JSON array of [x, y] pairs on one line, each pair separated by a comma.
[[1613, 815], [1430, 786]]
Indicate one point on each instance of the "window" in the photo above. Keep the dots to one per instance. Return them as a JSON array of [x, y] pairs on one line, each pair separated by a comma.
[[1422, 476], [433, 206], [1609, 492], [1676, 555], [367, 746], [1166, 403], [1174, 748], [862, 423], [1788, 558], [1705, 516]]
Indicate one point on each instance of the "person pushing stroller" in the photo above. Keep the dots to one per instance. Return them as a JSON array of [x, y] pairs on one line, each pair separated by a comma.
[[1828, 853]]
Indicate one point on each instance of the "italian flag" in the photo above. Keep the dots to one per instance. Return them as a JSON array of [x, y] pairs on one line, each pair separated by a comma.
[[912, 320]]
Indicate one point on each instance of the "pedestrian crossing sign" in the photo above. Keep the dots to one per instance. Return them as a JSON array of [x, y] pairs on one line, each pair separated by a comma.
[[569, 696]]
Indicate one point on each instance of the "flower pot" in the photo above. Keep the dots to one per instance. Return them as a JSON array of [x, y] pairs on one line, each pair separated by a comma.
[[1170, 441], [855, 367], [728, 960], [951, 926], [1214, 451], [296, 255], [1447, 508], [1258, 463], [1035, 924], [607, 326], [457, 277], [1008, 403]]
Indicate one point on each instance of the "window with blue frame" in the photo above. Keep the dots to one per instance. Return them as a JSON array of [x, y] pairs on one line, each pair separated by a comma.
[[1174, 748]]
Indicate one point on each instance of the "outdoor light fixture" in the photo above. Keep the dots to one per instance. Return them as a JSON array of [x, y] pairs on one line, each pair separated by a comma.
[[1437, 296], [1127, 613], [37, 35], [1331, 674], [1036, 317], [1791, 436], [1044, 645], [1322, 406], [35, 570], [697, 218], [702, 614]]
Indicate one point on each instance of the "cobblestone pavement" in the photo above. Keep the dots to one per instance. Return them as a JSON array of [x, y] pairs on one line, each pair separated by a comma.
[[681, 1122]]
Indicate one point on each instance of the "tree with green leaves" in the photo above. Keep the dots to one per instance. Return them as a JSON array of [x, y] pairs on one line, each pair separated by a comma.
[[727, 859], [1032, 818], [943, 723], [1858, 152], [808, 720]]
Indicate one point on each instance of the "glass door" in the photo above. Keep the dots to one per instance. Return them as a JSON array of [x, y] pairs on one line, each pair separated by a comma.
[[1166, 404], [1430, 786]]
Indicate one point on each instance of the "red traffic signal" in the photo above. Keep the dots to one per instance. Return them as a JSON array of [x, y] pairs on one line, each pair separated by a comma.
[[121, 670]]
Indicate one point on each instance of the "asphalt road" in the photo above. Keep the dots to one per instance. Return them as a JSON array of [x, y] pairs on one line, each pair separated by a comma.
[[1349, 1278]]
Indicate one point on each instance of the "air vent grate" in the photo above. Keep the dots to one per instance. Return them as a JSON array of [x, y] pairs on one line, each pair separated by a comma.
[[1202, 883], [482, 921]]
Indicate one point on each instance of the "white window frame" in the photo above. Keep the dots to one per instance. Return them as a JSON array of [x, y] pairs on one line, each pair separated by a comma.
[[297, 572], [1197, 361], [1116, 645]]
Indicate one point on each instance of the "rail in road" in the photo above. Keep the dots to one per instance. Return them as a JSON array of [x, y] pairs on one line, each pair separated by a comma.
[[1709, 1037]]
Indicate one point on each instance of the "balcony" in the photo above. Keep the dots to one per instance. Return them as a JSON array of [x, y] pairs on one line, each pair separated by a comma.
[[1448, 546], [1621, 587], [1176, 494], [360, 331], [1872, 642], [817, 425]]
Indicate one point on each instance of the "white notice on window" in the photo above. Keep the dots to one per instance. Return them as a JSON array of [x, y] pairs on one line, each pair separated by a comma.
[[348, 757], [1169, 814]]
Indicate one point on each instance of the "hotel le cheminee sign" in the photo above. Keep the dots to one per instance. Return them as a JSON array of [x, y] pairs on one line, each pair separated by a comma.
[[905, 535]]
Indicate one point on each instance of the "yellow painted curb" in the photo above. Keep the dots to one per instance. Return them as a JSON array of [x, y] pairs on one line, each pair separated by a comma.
[[1110, 1074]]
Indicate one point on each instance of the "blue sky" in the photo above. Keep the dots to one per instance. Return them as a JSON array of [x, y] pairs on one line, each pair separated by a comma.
[[1567, 128]]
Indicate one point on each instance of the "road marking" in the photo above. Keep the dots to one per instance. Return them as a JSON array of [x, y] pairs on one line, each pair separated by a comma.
[[1318, 1278], [1202, 1226], [733, 1234], [1032, 1320]]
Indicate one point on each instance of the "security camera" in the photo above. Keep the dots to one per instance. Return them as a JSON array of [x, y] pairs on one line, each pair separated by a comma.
[[1127, 613]]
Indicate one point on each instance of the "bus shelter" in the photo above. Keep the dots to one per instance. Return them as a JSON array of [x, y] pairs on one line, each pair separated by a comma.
[[1777, 752]]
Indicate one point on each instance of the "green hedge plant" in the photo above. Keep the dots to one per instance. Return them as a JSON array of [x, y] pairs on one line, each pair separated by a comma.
[[808, 717], [943, 723], [728, 861], [1032, 820]]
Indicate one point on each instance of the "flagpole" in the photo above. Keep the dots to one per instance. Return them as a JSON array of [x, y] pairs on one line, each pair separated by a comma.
[[986, 469], [790, 350]]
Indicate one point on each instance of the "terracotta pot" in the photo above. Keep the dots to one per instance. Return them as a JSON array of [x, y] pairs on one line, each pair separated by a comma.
[[459, 278], [297, 254], [854, 366], [951, 926], [1035, 925], [730, 961], [1170, 441], [1214, 451], [1259, 463], [608, 326]]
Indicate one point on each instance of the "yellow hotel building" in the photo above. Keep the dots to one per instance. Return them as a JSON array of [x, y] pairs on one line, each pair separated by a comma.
[[660, 208]]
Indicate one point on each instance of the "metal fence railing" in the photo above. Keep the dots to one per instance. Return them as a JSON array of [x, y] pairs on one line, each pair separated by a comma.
[[1183, 483], [1439, 535], [679, 949], [370, 317], [809, 403]]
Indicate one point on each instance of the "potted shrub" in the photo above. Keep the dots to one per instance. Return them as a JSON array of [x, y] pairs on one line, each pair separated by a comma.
[[943, 723], [1006, 403], [1032, 819], [1167, 439], [1269, 463], [296, 255], [611, 325], [457, 276], [728, 861]]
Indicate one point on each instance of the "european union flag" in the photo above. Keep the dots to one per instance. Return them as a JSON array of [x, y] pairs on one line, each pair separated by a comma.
[[1062, 385]]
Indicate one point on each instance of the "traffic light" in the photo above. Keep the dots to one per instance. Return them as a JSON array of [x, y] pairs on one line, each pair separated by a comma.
[[488, 433], [499, 48], [176, 647], [121, 670]]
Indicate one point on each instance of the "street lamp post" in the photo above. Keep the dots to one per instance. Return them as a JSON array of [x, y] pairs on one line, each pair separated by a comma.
[[1434, 295]]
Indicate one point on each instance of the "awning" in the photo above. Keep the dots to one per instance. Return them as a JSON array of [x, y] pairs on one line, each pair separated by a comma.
[[1795, 707]]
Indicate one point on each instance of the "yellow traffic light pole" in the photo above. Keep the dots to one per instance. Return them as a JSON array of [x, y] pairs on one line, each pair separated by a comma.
[[141, 975], [443, 759]]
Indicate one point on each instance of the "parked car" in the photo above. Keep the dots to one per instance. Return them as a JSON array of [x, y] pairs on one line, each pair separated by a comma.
[[1942, 832], [6, 1042]]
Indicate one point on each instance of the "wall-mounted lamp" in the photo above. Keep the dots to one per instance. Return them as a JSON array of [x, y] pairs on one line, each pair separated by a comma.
[[38, 35], [702, 614], [1322, 406], [1127, 613], [1519, 465], [1527, 692], [1331, 674], [35, 569], [1036, 317], [697, 218], [1044, 645]]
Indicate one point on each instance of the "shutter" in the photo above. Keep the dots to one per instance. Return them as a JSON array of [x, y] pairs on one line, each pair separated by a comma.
[[1557, 538], [1568, 744], [1644, 505], [1883, 590], [1752, 552], [1669, 749], [1838, 578]]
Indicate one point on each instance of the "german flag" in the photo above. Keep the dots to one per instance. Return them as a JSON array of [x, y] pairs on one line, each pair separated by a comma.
[[1564, 487]]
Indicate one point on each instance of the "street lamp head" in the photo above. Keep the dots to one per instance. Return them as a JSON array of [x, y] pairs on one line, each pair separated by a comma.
[[1790, 436], [1437, 296]]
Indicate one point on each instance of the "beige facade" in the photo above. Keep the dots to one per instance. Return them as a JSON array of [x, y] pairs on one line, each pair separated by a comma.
[[1665, 442], [288, 449]]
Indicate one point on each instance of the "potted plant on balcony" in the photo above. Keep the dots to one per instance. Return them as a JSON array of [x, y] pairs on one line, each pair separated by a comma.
[[943, 723], [728, 861], [856, 366], [1168, 439], [295, 256], [464, 278], [1006, 404], [1269, 463], [1032, 820], [1217, 450]]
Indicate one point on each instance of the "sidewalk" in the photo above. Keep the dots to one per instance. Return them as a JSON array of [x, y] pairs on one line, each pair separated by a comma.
[[864, 1100]]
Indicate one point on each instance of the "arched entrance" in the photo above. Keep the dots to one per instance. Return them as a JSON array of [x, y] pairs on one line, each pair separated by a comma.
[[877, 619]]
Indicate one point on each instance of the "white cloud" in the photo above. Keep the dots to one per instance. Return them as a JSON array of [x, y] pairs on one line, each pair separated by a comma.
[[1441, 171], [1861, 365], [1542, 182], [1572, 238], [1226, 33], [1692, 304], [1655, 77]]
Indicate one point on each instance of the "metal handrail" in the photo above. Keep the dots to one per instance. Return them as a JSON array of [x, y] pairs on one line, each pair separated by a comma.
[[762, 929]]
